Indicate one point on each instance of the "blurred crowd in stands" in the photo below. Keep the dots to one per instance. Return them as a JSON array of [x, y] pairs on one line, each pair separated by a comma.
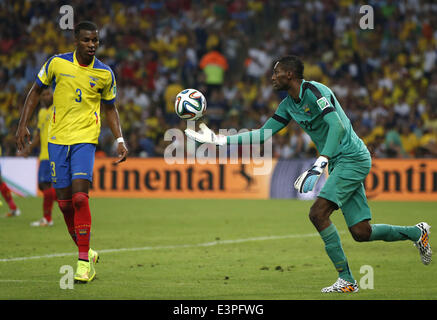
[[385, 78]]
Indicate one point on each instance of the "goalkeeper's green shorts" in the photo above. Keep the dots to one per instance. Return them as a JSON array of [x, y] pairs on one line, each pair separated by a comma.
[[345, 188]]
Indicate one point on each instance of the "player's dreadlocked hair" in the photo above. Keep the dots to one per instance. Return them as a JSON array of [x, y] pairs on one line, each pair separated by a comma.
[[84, 25], [292, 63]]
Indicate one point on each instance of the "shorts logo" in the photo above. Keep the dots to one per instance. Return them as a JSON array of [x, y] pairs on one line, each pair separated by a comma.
[[323, 103], [80, 174]]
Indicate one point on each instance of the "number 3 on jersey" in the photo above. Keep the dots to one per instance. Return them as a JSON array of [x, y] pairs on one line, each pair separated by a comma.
[[79, 95]]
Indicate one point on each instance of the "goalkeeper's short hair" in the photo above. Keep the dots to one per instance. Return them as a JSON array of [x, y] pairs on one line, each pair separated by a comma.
[[293, 64]]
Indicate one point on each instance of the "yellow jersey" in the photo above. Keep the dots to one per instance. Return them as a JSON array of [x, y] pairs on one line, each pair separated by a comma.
[[78, 91], [44, 116]]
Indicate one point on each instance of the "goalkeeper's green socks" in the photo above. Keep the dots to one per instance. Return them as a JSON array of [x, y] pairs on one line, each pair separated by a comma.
[[335, 252], [388, 232], [383, 232]]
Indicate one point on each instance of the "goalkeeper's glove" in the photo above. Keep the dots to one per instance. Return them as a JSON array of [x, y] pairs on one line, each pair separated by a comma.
[[307, 180], [206, 136]]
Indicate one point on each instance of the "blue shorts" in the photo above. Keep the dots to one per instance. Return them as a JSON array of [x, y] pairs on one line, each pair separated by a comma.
[[71, 162], [44, 174]]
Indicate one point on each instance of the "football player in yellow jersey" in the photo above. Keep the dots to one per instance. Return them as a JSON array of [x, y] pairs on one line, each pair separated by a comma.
[[81, 84], [44, 171]]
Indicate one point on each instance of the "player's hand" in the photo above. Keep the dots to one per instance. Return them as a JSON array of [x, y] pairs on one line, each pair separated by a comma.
[[22, 137], [121, 152], [206, 135], [307, 180], [25, 152]]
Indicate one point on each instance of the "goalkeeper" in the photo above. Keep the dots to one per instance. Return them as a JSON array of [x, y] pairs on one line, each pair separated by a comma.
[[316, 109]]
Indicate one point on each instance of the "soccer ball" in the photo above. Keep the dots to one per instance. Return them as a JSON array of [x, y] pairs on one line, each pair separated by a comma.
[[190, 104]]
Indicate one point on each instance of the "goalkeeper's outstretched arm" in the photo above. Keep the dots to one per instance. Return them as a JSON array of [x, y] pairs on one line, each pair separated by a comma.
[[270, 127]]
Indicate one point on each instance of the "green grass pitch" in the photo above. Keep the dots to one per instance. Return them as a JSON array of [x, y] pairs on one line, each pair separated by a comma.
[[209, 249]]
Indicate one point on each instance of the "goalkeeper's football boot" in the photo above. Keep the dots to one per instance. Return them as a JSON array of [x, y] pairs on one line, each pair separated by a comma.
[[93, 256], [423, 243], [342, 286], [85, 272]]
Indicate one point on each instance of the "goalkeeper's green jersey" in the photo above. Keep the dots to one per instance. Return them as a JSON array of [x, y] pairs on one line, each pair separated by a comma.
[[320, 115]]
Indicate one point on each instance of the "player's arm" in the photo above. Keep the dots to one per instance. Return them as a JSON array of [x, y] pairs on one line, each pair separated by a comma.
[[23, 135], [307, 180], [42, 81], [269, 128], [113, 119], [34, 143], [108, 97], [335, 133]]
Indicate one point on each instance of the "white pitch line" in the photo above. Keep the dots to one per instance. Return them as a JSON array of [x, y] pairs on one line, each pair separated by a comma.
[[179, 246], [11, 280]]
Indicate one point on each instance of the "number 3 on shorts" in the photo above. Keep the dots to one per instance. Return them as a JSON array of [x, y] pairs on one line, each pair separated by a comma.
[[52, 165]]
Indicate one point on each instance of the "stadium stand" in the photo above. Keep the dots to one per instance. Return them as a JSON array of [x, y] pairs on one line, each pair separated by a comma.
[[385, 78]]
